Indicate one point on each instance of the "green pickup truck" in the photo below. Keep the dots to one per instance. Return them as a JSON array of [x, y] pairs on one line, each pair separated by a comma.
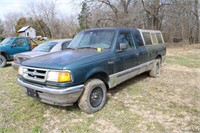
[[11, 46], [96, 60]]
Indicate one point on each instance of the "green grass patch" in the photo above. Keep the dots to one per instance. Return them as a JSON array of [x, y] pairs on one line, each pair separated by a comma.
[[155, 127], [19, 112], [189, 60]]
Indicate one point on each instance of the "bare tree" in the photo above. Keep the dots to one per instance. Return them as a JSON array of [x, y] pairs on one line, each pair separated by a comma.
[[178, 19], [33, 13], [10, 23], [45, 10]]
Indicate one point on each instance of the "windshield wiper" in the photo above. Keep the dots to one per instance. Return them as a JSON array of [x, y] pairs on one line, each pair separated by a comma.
[[87, 48]]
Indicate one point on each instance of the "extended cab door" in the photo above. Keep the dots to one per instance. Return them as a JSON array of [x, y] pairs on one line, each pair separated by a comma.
[[143, 52], [18, 46], [125, 59]]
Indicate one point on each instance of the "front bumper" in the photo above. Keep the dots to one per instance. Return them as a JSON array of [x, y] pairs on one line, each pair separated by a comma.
[[62, 97]]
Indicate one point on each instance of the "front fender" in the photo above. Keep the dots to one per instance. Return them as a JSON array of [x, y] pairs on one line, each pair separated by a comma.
[[93, 72]]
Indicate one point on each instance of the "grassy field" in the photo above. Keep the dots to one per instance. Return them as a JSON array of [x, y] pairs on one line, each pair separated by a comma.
[[169, 103]]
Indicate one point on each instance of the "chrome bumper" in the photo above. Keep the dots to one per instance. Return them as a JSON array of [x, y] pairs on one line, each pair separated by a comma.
[[62, 97]]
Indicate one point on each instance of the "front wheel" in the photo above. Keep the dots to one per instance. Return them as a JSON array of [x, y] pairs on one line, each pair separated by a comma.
[[3, 61], [155, 71], [93, 97]]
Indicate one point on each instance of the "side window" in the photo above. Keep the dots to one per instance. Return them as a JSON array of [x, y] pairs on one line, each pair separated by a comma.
[[159, 37], [147, 38], [138, 38], [154, 38], [65, 45], [125, 37], [20, 42]]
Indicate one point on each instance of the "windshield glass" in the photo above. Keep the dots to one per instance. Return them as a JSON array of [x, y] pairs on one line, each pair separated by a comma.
[[45, 47], [7, 41], [93, 39]]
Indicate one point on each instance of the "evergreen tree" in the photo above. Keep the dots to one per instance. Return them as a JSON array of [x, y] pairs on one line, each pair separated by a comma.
[[21, 23], [84, 17]]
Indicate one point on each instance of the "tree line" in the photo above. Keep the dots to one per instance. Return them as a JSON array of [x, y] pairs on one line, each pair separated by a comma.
[[177, 19]]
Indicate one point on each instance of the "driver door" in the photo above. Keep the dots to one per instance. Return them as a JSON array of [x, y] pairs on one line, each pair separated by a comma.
[[126, 59], [18, 46]]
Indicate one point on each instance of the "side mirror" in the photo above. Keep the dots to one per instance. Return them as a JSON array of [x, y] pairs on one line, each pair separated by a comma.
[[122, 46]]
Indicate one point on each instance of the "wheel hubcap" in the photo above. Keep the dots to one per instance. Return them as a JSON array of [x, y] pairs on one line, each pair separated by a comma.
[[96, 97]]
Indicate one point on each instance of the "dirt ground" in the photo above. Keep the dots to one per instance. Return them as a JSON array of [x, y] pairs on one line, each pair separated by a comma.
[[170, 103]]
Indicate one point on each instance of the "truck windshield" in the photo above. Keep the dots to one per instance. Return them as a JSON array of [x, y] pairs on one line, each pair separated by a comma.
[[93, 39], [7, 41], [45, 47]]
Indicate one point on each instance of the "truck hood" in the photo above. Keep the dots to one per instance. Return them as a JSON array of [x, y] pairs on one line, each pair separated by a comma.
[[59, 60]]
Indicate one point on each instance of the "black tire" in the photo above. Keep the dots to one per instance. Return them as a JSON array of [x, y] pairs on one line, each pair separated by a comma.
[[155, 72], [3, 61], [93, 97]]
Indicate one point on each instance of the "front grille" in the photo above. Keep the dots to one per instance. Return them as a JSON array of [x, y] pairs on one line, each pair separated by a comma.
[[35, 74]]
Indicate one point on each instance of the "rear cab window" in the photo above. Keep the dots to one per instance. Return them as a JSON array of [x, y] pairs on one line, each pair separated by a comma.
[[159, 37], [152, 37], [147, 38]]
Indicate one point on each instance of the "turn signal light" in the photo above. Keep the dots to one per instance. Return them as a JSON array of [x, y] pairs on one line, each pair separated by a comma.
[[64, 77]]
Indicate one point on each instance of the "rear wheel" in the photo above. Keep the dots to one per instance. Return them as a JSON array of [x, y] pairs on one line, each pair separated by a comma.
[[93, 97], [3, 61], [155, 71]]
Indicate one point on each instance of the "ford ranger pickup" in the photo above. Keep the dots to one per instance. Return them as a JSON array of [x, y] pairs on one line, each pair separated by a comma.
[[96, 60]]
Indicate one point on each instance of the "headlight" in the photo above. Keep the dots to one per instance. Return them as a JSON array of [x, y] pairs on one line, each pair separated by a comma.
[[20, 70], [59, 76]]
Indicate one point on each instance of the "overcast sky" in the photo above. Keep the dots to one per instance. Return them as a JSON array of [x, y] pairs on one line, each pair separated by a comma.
[[63, 7]]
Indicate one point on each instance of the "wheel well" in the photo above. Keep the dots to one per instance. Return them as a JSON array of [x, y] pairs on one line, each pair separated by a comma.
[[102, 76], [4, 54], [159, 57]]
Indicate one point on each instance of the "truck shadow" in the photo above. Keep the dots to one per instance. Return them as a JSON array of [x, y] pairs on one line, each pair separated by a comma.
[[7, 65]]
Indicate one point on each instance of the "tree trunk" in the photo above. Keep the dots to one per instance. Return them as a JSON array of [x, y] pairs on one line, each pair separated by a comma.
[[197, 20], [155, 17], [40, 27]]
